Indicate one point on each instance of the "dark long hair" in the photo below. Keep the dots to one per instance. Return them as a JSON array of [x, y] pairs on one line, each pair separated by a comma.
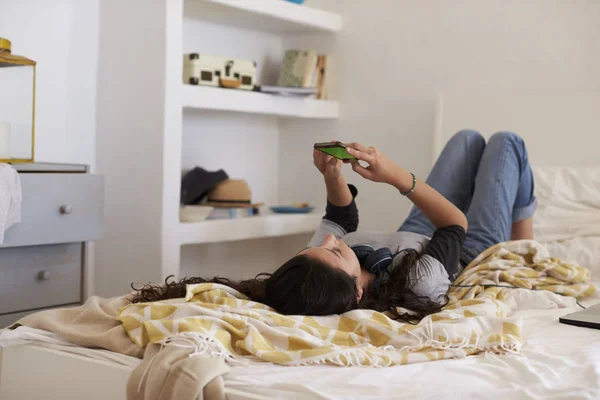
[[307, 286], [301, 286], [396, 293]]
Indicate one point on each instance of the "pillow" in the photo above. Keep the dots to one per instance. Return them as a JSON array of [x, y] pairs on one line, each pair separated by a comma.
[[568, 202], [567, 220]]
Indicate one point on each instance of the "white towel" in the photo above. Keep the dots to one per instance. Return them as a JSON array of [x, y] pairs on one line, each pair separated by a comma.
[[10, 198]]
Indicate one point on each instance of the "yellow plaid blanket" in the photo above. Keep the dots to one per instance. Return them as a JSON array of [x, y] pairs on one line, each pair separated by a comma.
[[218, 320]]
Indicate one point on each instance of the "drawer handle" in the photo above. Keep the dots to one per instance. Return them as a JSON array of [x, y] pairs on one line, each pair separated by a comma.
[[44, 275], [66, 209]]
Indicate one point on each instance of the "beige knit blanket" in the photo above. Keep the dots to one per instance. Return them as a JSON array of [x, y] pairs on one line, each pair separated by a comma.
[[165, 375]]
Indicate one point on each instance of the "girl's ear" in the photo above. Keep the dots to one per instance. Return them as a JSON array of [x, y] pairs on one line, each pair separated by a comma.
[[359, 292]]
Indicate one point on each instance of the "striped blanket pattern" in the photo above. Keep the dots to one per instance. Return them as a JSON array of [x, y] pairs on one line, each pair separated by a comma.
[[218, 320]]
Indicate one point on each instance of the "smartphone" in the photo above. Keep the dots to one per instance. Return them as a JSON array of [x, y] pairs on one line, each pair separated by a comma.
[[334, 149]]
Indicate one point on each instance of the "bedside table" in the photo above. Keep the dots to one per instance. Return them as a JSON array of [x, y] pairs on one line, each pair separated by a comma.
[[43, 259]]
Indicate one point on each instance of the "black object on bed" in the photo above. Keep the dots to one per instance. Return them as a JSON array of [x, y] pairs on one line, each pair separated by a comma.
[[588, 318]]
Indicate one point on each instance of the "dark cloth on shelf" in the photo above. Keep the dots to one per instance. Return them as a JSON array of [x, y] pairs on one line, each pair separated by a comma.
[[196, 184]]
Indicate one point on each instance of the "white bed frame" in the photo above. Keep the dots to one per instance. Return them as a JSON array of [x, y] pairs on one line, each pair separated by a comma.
[[560, 128], [29, 371]]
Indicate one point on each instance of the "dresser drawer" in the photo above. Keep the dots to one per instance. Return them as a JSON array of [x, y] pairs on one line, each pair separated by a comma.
[[39, 276], [58, 208]]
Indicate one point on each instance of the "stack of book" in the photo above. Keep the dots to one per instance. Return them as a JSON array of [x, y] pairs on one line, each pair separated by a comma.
[[303, 73]]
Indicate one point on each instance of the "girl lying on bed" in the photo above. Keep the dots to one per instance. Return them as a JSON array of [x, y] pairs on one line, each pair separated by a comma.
[[487, 187]]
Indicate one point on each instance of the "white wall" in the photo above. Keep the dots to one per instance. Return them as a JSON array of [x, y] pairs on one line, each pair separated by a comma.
[[62, 36], [132, 81], [240, 260], [394, 56]]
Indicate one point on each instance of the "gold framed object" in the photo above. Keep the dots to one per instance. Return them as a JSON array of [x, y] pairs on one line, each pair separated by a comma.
[[15, 86]]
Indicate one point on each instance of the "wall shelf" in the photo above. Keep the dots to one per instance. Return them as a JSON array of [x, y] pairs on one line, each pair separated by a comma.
[[274, 16], [180, 125], [211, 98], [248, 228]]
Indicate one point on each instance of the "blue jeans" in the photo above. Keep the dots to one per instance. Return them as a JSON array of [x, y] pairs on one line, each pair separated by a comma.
[[492, 184]]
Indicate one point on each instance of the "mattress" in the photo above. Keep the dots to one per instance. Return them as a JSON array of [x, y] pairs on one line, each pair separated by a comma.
[[558, 362]]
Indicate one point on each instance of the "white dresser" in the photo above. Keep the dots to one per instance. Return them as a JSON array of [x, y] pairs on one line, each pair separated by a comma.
[[43, 259]]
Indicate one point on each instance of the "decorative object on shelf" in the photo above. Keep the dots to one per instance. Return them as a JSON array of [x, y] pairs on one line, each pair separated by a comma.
[[231, 193], [17, 106], [322, 65], [295, 1], [201, 72], [305, 69], [289, 91], [194, 213], [239, 74], [299, 69], [230, 82], [292, 209], [196, 184], [218, 71]]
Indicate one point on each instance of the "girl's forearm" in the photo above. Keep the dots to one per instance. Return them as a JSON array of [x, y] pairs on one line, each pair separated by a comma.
[[439, 210], [338, 193]]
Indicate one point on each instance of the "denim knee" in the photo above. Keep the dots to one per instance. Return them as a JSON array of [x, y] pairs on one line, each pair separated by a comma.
[[470, 137], [508, 137], [513, 141]]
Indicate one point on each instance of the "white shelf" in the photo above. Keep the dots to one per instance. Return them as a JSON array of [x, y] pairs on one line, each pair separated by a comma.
[[211, 98], [247, 228], [275, 16]]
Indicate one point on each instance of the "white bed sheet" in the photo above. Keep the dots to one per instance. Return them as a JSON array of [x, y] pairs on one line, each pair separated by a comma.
[[50, 340], [557, 362]]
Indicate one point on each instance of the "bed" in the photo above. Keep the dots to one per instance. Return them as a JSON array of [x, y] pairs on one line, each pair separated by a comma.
[[558, 361]]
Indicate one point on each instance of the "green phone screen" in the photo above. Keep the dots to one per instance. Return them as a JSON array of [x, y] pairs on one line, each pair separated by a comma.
[[337, 152]]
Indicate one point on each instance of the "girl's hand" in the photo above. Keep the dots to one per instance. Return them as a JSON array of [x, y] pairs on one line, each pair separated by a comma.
[[330, 167], [439, 210], [380, 169]]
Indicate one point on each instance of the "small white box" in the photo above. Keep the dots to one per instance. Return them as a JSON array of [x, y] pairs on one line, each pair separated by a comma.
[[202, 70], [243, 71], [218, 71]]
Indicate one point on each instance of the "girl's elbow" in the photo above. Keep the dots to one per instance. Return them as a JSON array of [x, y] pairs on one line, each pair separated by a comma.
[[463, 222]]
